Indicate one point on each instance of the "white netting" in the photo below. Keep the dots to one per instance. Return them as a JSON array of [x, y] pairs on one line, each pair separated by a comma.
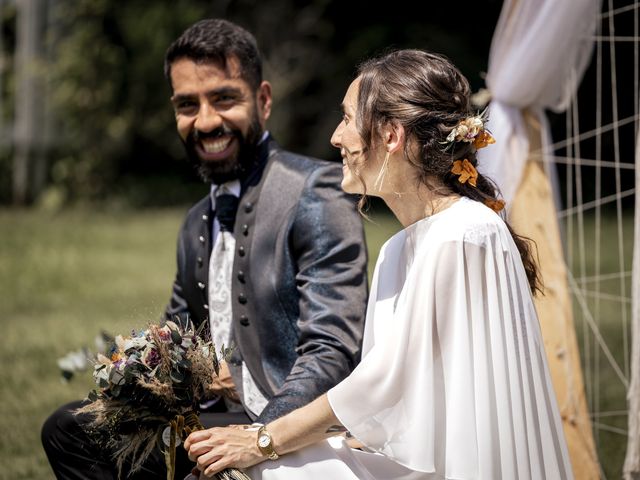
[[596, 164]]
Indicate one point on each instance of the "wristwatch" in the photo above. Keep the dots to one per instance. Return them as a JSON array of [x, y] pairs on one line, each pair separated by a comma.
[[265, 444]]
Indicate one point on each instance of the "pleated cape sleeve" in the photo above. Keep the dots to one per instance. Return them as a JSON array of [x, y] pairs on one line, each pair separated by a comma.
[[454, 378]]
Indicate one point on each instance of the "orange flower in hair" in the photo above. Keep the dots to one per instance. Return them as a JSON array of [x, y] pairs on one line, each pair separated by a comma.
[[466, 171], [483, 139], [495, 205]]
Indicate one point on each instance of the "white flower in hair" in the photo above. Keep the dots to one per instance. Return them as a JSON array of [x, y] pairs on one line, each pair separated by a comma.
[[466, 130], [471, 130]]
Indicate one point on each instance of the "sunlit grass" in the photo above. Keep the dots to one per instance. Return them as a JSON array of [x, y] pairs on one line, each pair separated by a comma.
[[63, 279], [66, 277]]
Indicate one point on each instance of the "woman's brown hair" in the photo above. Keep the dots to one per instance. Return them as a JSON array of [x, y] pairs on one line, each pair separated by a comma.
[[427, 95]]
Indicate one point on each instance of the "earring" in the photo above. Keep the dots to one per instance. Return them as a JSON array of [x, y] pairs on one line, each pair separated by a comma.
[[383, 171]]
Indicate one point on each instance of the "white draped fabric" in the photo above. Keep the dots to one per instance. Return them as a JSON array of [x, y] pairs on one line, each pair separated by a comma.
[[539, 52], [453, 382]]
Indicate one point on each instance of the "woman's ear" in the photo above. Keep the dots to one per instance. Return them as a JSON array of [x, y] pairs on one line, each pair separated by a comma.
[[394, 137]]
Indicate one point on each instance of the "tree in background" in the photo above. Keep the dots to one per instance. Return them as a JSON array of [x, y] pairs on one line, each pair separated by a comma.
[[109, 132]]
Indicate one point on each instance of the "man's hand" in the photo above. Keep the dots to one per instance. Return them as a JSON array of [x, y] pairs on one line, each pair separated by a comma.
[[215, 449], [223, 385]]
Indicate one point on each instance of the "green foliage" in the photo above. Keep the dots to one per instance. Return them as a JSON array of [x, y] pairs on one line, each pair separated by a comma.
[[7, 91], [112, 131], [107, 88]]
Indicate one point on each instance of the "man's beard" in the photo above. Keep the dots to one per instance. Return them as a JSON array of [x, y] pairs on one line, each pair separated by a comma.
[[237, 165]]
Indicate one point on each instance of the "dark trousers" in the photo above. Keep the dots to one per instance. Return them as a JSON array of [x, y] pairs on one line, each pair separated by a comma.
[[74, 456]]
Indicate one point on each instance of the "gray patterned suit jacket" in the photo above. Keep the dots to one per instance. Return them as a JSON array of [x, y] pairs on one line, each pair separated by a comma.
[[299, 278]]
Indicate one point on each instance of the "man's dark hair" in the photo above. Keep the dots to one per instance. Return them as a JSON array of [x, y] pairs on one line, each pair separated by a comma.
[[215, 41]]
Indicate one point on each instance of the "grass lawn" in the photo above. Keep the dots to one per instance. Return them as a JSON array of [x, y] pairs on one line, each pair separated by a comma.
[[606, 393], [65, 277]]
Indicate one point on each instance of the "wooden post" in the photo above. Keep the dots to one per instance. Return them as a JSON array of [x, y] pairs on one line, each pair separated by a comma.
[[631, 469], [554, 307]]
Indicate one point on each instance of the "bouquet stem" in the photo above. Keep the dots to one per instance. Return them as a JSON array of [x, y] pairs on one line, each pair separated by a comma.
[[182, 426]]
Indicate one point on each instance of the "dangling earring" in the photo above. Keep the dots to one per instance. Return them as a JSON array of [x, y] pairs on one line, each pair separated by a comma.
[[383, 171]]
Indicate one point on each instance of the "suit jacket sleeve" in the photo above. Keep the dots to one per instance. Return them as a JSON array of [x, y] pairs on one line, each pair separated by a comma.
[[327, 241], [178, 304]]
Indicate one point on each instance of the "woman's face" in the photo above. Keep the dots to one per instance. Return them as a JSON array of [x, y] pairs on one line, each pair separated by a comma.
[[356, 167]]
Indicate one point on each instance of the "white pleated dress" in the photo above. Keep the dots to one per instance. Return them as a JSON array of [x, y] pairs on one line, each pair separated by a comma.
[[453, 382]]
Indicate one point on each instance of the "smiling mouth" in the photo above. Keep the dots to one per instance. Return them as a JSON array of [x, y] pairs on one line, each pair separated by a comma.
[[216, 146]]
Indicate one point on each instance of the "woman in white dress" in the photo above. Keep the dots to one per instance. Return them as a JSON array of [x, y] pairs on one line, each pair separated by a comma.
[[453, 382]]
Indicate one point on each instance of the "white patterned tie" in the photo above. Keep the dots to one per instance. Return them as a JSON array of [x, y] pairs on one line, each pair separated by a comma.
[[220, 301], [220, 271]]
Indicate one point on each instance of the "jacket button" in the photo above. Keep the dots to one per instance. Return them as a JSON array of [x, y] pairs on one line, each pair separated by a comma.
[[206, 307], [244, 321], [241, 276], [245, 229], [199, 260], [242, 298], [248, 207], [201, 285], [205, 218], [201, 238], [241, 251]]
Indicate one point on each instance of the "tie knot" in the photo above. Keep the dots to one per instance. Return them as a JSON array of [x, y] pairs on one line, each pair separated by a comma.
[[226, 206]]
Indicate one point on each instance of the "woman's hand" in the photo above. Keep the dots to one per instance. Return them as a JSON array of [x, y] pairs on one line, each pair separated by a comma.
[[215, 449]]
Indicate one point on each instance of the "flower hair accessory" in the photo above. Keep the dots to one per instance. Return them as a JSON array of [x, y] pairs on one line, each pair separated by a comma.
[[496, 205], [483, 139], [472, 130], [466, 171]]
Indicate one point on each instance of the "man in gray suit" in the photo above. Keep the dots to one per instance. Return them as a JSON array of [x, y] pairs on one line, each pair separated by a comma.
[[273, 260]]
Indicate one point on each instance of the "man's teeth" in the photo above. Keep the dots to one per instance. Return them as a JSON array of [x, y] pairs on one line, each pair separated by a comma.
[[216, 146]]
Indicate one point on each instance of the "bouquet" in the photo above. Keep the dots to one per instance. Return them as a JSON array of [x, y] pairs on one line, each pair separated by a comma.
[[149, 388]]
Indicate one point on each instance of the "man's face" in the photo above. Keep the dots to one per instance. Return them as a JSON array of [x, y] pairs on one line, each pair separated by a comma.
[[220, 118]]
